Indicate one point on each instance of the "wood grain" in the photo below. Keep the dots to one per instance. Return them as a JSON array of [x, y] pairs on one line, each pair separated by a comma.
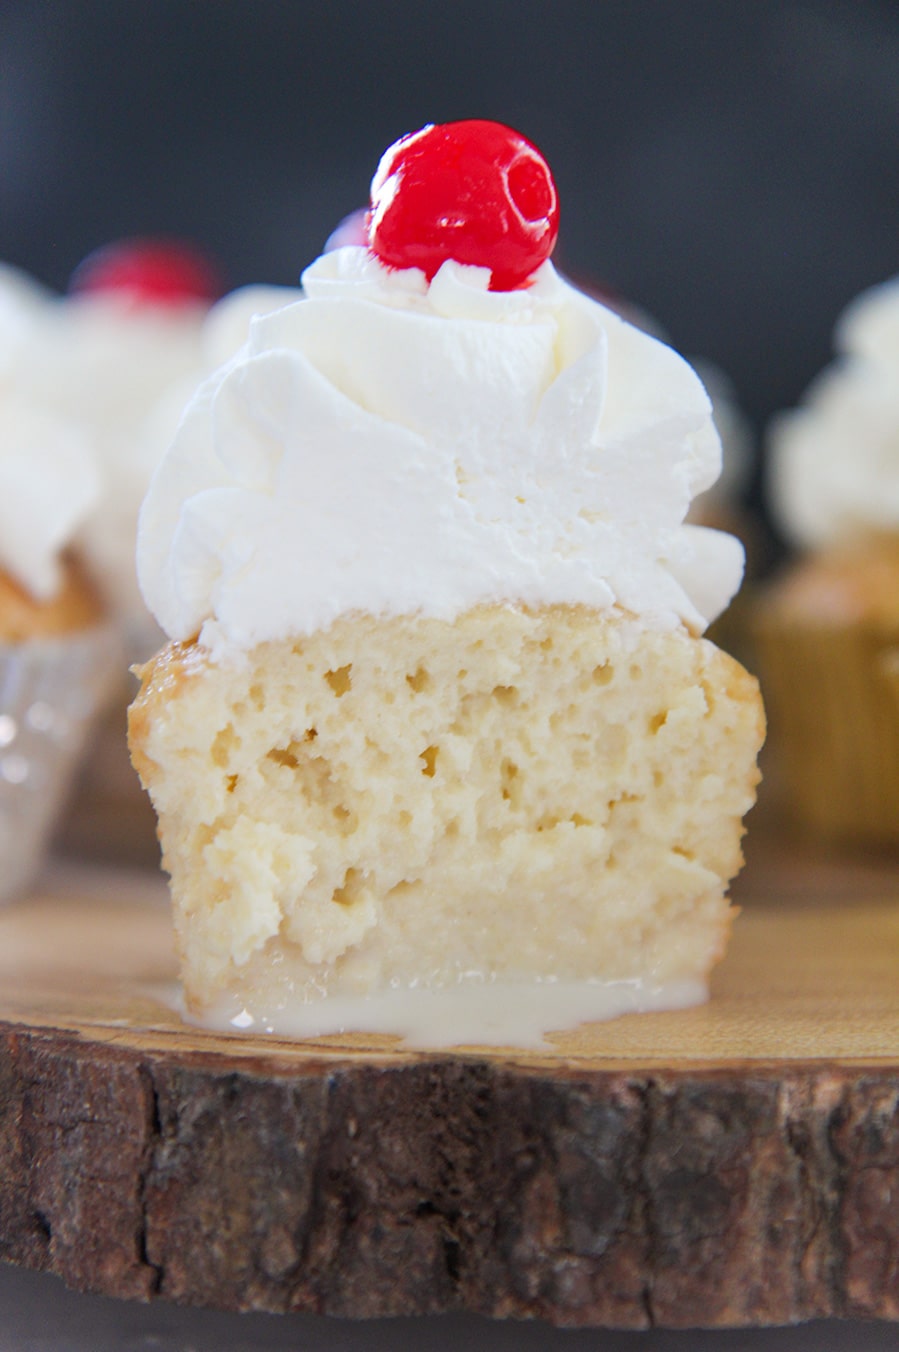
[[729, 1165]]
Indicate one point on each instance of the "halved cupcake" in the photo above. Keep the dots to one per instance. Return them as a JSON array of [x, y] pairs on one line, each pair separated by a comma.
[[436, 746]]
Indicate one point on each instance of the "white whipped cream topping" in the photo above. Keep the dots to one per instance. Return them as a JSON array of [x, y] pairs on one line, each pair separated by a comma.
[[48, 484], [834, 461], [389, 446], [48, 478], [100, 363], [119, 376], [227, 325], [22, 302]]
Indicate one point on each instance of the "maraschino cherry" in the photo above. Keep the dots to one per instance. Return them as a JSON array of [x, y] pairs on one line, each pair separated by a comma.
[[148, 272], [476, 192]]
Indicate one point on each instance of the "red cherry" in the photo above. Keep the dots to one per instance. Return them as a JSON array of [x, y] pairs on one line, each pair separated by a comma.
[[148, 272], [477, 192]]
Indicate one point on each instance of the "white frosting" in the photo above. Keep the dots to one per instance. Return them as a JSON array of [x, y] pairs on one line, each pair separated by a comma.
[[100, 363], [834, 461], [869, 327], [48, 477], [48, 484], [734, 430], [120, 375], [393, 447], [22, 302], [227, 325], [731, 424]]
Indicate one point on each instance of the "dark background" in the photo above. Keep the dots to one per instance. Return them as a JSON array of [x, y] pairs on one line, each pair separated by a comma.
[[730, 165]]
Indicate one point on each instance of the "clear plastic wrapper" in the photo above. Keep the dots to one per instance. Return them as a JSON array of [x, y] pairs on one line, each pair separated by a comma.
[[51, 690]]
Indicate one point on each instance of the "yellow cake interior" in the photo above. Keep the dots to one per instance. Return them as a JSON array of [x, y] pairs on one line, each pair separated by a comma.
[[409, 802]]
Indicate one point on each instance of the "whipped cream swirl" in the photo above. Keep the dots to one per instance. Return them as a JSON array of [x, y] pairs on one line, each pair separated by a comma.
[[834, 461], [119, 375], [99, 364], [23, 302], [48, 485], [389, 446]]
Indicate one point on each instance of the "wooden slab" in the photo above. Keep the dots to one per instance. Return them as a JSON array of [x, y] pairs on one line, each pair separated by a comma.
[[733, 1164]]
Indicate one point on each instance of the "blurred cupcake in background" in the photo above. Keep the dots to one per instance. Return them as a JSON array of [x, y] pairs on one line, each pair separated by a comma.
[[227, 325], [117, 360], [23, 302], [828, 628], [98, 362], [891, 673], [352, 231], [57, 656], [128, 332]]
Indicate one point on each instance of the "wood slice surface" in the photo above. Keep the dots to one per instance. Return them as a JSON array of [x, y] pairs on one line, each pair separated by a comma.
[[734, 1164]]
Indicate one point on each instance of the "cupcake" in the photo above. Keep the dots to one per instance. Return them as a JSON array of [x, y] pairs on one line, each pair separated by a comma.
[[826, 627], [56, 654], [101, 361], [436, 745], [128, 333]]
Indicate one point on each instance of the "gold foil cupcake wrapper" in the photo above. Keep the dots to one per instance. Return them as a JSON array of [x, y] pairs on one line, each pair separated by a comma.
[[890, 669], [832, 696], [50, 692]]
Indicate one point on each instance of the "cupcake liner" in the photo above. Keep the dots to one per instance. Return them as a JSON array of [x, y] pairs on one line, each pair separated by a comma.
[[109, 816], [50, 692], [889, 669], [832, 695]]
